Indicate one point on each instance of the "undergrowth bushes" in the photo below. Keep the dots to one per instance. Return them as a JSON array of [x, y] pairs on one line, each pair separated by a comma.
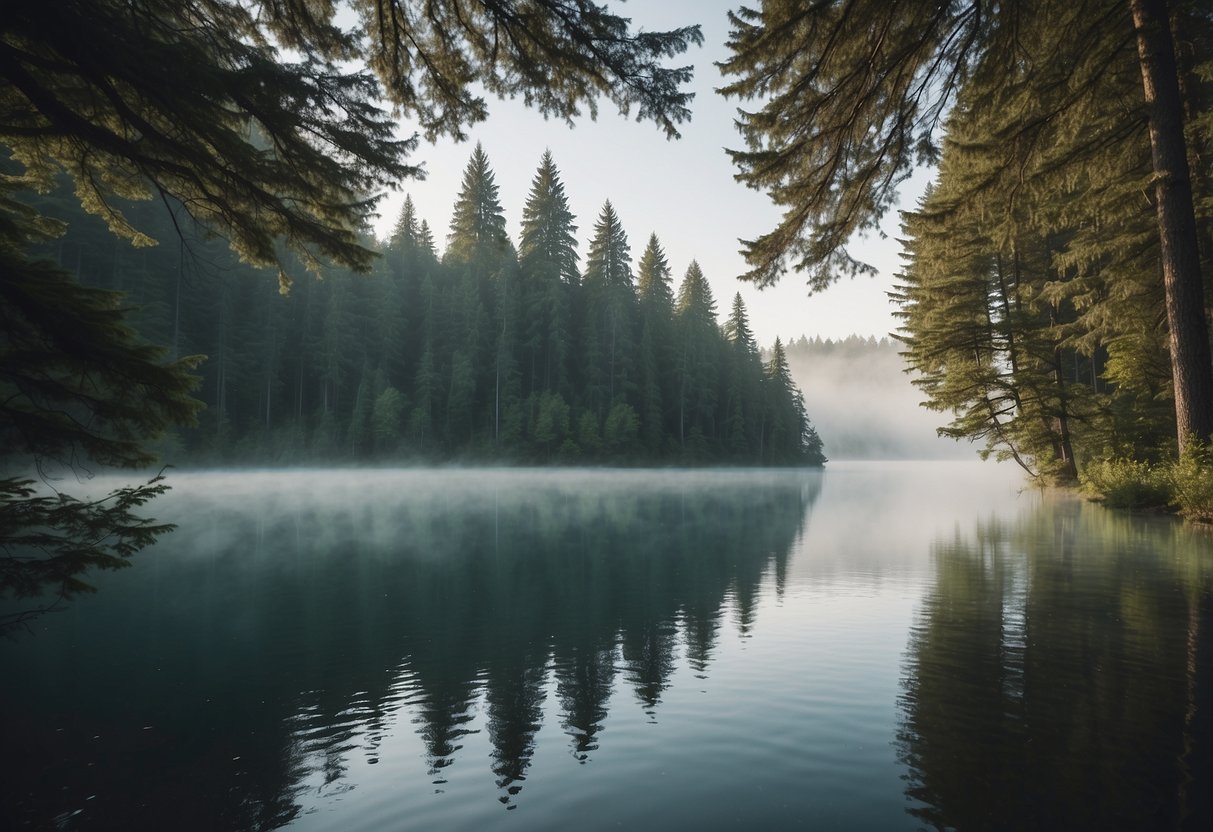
[[1185, 485], [1192, 485]]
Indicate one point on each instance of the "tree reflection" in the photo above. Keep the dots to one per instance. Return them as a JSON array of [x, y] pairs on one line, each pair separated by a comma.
[[1051, 684], [314, 633]]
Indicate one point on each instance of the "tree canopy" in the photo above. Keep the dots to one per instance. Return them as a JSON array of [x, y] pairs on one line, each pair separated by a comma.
[[246, 114], [270, 125], [480, 354], [1049, 111]]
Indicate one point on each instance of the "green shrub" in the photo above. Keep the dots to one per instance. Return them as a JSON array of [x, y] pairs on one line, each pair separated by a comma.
[[1192, 485], [1126, 483]]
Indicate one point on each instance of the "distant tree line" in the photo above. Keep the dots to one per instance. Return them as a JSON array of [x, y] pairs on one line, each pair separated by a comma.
[[863, 401], [856, 346], [490, 351]]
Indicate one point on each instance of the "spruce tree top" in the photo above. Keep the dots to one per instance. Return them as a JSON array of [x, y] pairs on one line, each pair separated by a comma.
[[193, 101]]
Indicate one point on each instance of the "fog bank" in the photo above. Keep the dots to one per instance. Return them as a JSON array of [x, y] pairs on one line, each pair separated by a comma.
[[862, 402]]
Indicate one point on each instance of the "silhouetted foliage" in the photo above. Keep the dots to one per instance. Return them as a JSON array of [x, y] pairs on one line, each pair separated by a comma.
[[482, 354], [200, 106]]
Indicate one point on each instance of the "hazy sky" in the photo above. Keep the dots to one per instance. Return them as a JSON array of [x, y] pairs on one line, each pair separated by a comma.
[[683, 190]]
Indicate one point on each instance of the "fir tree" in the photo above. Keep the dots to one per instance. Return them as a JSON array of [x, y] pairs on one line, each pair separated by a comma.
[[870, 84], [791, 436], [697, 340], [610, 327], [478, 223], [744, 417], [425, 241], [547, 255], [407, 229], [656, 344]]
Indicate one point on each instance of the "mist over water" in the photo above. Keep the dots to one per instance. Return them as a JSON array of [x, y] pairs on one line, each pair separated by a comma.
[[471, 648], [864, 406]]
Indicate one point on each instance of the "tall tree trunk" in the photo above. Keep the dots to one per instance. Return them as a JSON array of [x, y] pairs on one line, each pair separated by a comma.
[[1065, 448], [1191, 366]]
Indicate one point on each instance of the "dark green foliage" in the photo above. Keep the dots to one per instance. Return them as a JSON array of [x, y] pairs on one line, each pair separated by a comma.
[[190, 101], [547, 256], [194, 105], [432, 360], [744, 395], [184, 101], [656, 356], [852, 91], [75, 380], [789, 429], [1059, 254], [77, 386], [1123, 483], [1034, 305], [48, 541], [477, 224], [697, 362], [610, 317]]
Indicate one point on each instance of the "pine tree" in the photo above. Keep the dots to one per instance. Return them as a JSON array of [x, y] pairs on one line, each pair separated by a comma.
[[870, 84], [425, 241], [610, 326], [656, 345], [478, 253], [791, 438], [697, 342], [406, 231], [547, 255], [743, 413], [477, 233]]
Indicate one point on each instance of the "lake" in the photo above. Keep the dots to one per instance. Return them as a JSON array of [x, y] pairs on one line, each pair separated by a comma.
[[880, 646]]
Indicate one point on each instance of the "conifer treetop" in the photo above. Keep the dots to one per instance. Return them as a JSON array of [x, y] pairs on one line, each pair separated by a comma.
[[653, 275], [548, 232], [199, 101], [478, 221]]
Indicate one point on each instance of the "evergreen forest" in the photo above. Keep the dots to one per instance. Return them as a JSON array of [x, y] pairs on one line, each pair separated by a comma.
[[489, 351], [1034, 295], [1054, 291]]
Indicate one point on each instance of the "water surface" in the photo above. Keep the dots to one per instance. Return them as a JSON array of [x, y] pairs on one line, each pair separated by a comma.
[[880, 646]]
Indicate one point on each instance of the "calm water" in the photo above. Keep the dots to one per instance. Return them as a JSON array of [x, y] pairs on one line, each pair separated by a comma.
[[882, 646]]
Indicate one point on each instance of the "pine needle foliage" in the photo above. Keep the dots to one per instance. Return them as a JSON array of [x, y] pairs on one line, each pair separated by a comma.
[[267, 125], [49, 541], [203, 101], [1073, 128], [512, 357]]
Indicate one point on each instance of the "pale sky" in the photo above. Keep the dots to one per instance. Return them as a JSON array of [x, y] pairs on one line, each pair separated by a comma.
[[682, 189]]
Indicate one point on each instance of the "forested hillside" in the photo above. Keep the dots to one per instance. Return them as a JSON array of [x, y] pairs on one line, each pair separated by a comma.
[[491, 351]]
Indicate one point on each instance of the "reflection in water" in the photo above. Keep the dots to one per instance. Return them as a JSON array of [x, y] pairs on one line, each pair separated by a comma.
[[377, 650], [1060, 676], [304, 627]]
